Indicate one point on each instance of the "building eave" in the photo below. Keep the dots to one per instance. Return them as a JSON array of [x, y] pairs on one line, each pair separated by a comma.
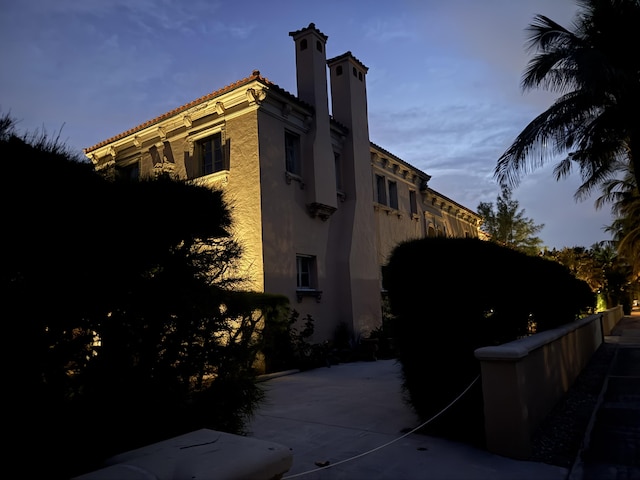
[[254, 77]]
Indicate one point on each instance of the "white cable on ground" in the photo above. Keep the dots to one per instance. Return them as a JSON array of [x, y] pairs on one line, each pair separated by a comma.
[[388, 443]]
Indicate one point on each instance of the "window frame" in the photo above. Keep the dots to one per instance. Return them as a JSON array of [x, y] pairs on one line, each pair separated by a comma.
[[381, 189], [129, 172], [392, 188], [292, 154], [218, 162], [413, 202], [306, 266]]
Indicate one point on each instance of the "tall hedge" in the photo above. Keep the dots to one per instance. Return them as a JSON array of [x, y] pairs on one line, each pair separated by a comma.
[[453, 295]]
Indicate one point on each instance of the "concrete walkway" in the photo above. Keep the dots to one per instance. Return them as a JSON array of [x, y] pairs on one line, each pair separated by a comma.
[[612, 445], [350, 422]]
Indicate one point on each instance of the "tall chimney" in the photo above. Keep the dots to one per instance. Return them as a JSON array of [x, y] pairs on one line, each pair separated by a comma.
[[349, 106], [311, 74]]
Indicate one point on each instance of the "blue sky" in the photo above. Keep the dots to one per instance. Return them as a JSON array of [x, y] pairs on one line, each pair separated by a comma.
[[443, 83]]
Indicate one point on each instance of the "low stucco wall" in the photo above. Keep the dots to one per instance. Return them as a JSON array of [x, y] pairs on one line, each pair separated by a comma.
[[610, 319], [522, 380]]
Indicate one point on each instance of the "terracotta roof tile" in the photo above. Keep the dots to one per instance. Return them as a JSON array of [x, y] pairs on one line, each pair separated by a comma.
[[255, 75]]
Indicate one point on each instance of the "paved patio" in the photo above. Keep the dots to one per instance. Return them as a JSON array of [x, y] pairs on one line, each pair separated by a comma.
[[350, 422]]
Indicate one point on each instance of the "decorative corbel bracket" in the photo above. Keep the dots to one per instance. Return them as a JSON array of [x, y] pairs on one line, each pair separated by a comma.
[[162, 133], [189, 146], [320, 210], [255, 95], [309, 293]]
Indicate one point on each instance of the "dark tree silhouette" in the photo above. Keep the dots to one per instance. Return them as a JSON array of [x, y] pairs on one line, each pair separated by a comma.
[[123, 323]]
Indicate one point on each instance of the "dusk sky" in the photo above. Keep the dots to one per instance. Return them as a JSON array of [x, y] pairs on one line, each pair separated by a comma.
[[443, 82]]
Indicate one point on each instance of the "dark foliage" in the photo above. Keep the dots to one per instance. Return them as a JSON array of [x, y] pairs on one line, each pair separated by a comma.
[[451, 296], [287, 344], [123, 323]]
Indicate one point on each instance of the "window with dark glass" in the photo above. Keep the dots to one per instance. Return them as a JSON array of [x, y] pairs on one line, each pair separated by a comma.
[[211, 155], [305, 266], [128, 172], [393, 195], [413, 203], [381, 190], [292, 153]]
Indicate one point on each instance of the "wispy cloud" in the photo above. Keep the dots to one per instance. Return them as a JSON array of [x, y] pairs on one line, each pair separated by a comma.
[[443, 81], [388, 30]]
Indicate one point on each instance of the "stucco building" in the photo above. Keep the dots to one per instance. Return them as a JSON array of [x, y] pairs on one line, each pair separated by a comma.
[[317, 206]]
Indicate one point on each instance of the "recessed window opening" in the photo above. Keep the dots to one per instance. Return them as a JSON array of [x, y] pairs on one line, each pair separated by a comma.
[[211, 155], [381, 190], [413, 203], [129, 172], [318, 45], [292, 153], [339, 70], [303, 44], [305, 272], [393, 195]]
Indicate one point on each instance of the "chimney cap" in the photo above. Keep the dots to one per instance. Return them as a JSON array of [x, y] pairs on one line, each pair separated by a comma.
[[311, 27]]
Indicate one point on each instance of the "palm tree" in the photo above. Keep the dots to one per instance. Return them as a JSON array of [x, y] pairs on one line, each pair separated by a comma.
[[594, 124], [625, 199]]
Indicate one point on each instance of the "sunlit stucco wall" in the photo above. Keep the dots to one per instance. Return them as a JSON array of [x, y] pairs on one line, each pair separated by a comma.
[[241, 188]]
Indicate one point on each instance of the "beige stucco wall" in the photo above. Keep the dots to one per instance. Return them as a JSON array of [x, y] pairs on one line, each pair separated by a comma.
[[241, 188], [288, 229], [522, 381], [394, 226], [270, 210]]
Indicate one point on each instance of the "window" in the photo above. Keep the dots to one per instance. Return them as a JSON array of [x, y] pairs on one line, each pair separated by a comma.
[[393, 195], [413, 203], [292, 153], [338, 166], [129, 172], [381, 190], [211, 155], [305, 268]]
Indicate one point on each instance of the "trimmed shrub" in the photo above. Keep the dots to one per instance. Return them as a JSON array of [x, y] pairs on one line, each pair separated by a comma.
[[451, 296]]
